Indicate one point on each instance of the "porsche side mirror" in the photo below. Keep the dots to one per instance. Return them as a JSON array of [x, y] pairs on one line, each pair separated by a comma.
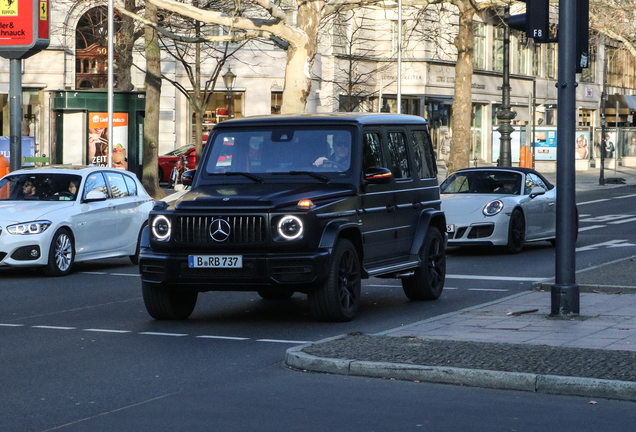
[[378, 175], [536, 191]]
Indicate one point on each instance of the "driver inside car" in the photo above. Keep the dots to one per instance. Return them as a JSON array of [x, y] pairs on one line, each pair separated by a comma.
[[340, 155]]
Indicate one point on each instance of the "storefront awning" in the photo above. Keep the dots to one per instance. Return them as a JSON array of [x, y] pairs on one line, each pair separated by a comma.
[[624, 102]]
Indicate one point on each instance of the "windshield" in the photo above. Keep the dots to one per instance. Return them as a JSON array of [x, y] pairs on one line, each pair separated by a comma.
[[281, 150], [39, 187], [181, 150], [482, 182]]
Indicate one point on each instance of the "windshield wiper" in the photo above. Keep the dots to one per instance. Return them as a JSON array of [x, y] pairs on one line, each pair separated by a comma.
[[320, 177], [249, 176]]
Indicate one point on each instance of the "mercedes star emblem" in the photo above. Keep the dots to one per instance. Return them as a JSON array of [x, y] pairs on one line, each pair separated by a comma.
[[219, 230]]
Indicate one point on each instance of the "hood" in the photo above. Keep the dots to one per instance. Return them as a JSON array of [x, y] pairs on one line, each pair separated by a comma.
[[255, 196], [27, 211], [469, 204]]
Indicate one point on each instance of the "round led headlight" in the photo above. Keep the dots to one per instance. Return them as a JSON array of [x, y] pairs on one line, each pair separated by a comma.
[[493, 208], [161, 228], [290, 227]]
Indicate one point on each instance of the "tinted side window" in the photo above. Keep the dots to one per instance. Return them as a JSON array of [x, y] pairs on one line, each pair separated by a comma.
[[117, 185], [132, 185], [423, 155], [398, 163], [371, 151], [96, 182]]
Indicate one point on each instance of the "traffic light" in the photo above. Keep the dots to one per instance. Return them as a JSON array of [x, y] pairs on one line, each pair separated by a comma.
[[582, 34], [535, 22]]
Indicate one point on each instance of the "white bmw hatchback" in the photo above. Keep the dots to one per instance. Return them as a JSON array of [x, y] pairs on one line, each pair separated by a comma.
[[55, 216]]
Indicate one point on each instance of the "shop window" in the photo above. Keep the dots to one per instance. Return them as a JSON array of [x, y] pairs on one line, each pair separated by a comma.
[[277, 102], [217, 111], [522, 52]]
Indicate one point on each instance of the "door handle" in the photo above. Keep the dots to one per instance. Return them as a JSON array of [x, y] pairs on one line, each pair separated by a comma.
[[417, 205]]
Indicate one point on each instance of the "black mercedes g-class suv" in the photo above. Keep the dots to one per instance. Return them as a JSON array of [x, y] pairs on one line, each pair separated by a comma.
[[300, 203]]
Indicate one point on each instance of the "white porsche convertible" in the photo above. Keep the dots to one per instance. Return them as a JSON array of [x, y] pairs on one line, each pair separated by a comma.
[[498, 206]]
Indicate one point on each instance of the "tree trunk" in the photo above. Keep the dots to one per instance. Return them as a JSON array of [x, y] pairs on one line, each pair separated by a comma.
[[153, 96], [462, 107], [124, 49], [300, 57]]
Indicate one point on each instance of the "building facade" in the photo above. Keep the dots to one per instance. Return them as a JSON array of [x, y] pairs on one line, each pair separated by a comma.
[[355, 69]]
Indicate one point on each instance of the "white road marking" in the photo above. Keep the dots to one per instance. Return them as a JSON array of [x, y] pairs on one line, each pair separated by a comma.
[[93, 273], [607, 218], [124, 274], [608, 244], [592, 227], [11, 325], [222, 337], [625, 196], [107, 331], [163, 334], [54, 327], [282, 341], [623, 221], [594, 202], [498, 278], [488, 289]]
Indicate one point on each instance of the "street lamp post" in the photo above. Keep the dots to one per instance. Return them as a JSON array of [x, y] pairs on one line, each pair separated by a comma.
[[504, 113], [229, 78]]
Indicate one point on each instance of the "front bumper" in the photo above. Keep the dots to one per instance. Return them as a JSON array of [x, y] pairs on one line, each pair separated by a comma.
[[258, 271], [16, 250]]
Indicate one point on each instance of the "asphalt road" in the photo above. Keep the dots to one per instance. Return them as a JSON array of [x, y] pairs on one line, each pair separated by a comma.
[[81, 354]]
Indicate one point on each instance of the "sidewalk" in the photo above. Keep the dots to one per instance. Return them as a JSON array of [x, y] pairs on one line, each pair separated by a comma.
[[512, 343]]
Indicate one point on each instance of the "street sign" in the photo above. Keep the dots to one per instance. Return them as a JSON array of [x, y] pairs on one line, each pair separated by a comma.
[[24, 28]]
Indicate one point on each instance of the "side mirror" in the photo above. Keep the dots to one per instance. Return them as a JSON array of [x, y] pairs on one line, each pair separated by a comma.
[[377, 175], [187, 177], [94, 196], [536, 191]]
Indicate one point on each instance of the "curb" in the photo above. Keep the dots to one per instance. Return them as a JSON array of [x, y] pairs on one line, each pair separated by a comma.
[[548, 384]]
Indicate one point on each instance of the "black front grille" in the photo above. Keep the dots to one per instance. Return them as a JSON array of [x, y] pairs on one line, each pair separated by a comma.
[[196, 229], [26, 253]]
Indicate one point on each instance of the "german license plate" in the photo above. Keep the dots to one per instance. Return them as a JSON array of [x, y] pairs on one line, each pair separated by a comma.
[[215, 261], [450, 228]]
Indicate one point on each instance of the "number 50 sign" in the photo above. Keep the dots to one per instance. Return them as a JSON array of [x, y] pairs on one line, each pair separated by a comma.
[[24, 27]]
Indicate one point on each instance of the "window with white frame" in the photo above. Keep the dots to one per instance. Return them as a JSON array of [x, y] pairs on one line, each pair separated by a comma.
[[497, 50], [479, 42], [551, 61], [394, 37], [536, 60], [522, 52]]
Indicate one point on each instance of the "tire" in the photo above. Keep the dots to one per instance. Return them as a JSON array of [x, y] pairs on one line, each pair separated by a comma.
[[337, 300], [165, 304], [428, 280], [61, 254], [516, 233], [275, 295], [135, 258]]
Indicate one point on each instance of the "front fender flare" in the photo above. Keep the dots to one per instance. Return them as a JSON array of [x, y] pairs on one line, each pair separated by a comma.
[[428, 217]]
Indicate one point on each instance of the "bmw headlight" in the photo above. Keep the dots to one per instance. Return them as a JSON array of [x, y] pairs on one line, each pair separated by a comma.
[[493, 208], [161, 228], [290, 227], [35, 227]]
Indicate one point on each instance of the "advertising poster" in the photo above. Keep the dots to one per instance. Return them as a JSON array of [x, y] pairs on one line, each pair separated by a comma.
[[515, 144], [98, 139], [28, 147], [629, 142], [582, 149], [545, 141]]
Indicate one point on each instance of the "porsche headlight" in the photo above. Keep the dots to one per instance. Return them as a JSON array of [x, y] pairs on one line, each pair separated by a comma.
[[290, 227], [161, 228], [35, 227], [493, 208]]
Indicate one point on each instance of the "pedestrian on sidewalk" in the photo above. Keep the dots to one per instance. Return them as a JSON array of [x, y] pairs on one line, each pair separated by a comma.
[[445, 147]]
